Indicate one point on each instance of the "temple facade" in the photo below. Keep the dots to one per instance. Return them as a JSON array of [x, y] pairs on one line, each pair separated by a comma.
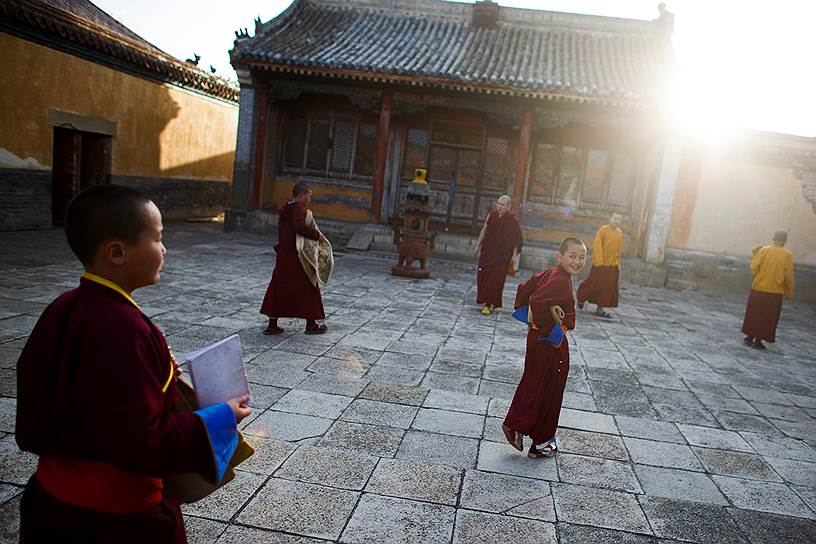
[[563, 112]]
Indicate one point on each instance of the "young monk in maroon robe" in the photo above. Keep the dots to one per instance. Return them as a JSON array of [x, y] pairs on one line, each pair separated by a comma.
[[96, 392], [601, 287], [499, 240], [772, 269], [536, 404], [290, 292]]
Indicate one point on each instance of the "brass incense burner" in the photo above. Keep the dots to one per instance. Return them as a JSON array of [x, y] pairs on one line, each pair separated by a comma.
[[413, 239]]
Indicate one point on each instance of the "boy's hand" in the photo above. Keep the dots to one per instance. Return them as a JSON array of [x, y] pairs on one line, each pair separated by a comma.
[[240, 407]]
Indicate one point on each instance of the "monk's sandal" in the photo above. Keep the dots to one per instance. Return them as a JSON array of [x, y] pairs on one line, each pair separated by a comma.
[[549, 449]]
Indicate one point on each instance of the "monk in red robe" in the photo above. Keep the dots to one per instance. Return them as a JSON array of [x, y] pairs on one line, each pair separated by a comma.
[[772, 270], [96, 392], [601, 287], [536, 404], [291, 292], [499, 241]]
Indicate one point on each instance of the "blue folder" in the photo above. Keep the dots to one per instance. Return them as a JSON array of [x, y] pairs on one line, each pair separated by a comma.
[[556, 334]]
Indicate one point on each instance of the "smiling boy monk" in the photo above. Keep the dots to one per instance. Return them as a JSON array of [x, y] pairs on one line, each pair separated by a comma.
[[537, 403], [96, 392]]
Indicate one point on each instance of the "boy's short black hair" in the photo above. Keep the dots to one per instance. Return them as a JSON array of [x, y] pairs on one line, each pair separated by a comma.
[[300, 188], [570, 241], [101, 213]]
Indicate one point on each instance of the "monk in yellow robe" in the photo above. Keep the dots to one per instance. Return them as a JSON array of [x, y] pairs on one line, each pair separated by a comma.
[[601, 287], [772, 269]]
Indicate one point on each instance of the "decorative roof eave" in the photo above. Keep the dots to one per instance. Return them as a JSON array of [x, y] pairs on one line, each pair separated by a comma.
[[69, 27], [431, 82]]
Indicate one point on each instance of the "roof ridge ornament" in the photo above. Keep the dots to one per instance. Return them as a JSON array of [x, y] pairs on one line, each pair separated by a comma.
[[485, 14], [666, 20]]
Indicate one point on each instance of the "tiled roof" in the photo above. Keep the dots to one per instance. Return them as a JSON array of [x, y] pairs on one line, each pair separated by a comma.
[[433, 43], [82, 24]]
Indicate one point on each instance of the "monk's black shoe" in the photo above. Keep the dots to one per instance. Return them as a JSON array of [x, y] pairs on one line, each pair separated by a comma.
[[273, 330], [748, 340], [317, 329]]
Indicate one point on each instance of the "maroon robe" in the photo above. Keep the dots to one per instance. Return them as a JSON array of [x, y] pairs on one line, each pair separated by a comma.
[[96, 394], [600, 287], [502, 234], [536, 404], [762, 315], [290, 293]]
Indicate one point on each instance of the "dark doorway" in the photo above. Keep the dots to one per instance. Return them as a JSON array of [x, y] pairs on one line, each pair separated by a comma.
[[81, 159]]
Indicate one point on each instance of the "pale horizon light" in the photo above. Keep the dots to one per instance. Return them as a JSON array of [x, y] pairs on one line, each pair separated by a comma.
[[740, 64]]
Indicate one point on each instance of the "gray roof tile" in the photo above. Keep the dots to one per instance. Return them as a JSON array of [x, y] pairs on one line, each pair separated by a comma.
[[432, 42]]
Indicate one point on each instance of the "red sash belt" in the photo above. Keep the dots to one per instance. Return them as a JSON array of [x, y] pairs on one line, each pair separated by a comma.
[[98, 486]]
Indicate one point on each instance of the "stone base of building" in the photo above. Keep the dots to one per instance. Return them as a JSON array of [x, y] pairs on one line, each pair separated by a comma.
[[180, 199], [699, 270], [25, 197]]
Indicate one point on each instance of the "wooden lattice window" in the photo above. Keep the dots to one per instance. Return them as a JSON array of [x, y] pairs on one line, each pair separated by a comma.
[[579, 177], [498, 168], [415, 152], [329, 144]]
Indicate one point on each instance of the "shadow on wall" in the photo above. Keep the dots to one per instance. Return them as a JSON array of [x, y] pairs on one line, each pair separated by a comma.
[[189, 190]]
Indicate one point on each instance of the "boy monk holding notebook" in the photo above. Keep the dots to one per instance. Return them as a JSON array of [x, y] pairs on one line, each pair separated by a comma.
[[96, 392], [537, 402]]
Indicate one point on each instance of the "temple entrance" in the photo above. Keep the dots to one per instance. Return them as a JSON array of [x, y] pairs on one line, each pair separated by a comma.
[[81, 159], [469, 167]]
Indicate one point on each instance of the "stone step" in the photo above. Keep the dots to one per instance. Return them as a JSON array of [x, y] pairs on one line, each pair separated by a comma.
[[680, 284], [360, 240]]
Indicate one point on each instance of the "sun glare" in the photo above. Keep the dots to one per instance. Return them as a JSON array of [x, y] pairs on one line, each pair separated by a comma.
[[744, 65]]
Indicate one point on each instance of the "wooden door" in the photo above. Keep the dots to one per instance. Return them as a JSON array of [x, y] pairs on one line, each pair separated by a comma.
[[65, 176], [81, 159]]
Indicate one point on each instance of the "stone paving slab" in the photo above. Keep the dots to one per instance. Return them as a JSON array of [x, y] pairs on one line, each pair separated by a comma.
[[599, 508], [301, 508], [387, 428], [679, 484], [691, 522], [484, 527], [418, 481], [388, 520]]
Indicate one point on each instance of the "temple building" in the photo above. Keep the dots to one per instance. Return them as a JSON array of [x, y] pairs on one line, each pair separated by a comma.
[[561, 111], [87, 101]]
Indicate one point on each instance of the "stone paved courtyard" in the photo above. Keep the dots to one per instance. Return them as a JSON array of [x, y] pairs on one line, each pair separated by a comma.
[[387, 429]]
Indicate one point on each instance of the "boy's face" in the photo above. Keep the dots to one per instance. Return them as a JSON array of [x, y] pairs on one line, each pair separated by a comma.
[[146, 256], [573, 260], [616, 219], [304, 198]]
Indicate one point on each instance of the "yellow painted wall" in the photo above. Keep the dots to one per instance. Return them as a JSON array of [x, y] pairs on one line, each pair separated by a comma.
[[739, 205], [328, 201], [162, 130]]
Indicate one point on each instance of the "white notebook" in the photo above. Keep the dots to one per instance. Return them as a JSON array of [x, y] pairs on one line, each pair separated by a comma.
[[218, 371]]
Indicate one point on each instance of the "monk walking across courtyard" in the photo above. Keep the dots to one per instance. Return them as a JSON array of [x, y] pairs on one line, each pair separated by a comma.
[[772, 270], [536, 404], [291, 293], [601, 287], [499, 241]]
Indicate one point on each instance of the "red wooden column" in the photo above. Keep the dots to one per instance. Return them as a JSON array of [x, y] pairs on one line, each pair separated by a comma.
[[522, 159], [382, 153], [260, 146]]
